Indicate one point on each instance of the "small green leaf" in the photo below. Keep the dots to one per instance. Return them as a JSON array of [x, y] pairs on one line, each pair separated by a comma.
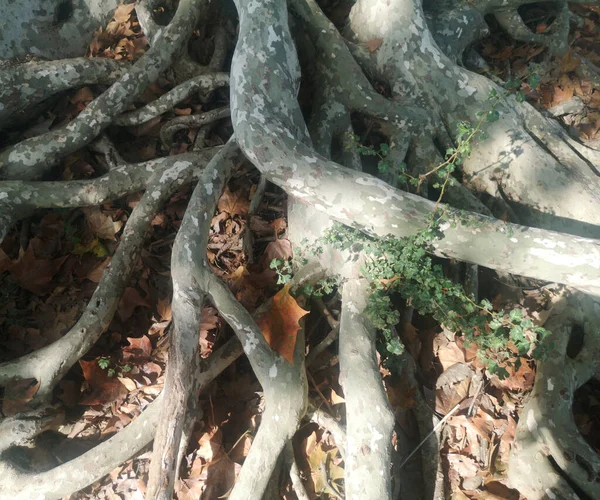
[[516, 315], [492, 116]]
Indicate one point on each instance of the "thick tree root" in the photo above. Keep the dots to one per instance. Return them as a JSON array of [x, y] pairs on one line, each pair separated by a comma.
[[369, 419], [49, 364], [550, 459], [30, 83], [31, 158], [82, 471], [183, 370]]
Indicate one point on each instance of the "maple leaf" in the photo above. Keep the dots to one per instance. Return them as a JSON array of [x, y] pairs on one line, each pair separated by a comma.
[[31, 273], [102, 225], [105, 389], [233, 203], [280, 324]]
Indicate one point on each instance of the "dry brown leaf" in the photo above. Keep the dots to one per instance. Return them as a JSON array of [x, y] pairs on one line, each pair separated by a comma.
[[101, 225], [123, 12], [278, 249], [336, 399], [280, 324], [105, 389], [130, 300], [279, 225], [31, 273], [233, 203], [128, 383], [18, 394], [138, 349], [163, 308], [569, 62], [373, 44], [521, 380], [241, 449], [95, 275]]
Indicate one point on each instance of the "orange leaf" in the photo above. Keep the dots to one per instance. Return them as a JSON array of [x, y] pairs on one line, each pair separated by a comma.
[[105, 389], [138, 348], [373, 44], [280, 324], [18, 393]]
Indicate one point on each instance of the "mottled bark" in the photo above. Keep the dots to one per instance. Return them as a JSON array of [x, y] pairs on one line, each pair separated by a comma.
[[550, 458], [528, 164], [31, 158]]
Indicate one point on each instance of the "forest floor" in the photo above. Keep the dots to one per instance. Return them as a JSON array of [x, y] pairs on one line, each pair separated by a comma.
[[51, 263]]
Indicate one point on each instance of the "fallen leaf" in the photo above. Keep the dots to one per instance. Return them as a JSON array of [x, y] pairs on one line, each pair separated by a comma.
[[278, 249], [280, 324], [96, 273], [163, 308], [327, 459], [336, 399], [520, 380], [123, 12], [233, 203], [373, 44], [32, 274], [101, 225], [17, 395], [128, 383], [279, 225], [129, 301], [138, 349], [104, 389]]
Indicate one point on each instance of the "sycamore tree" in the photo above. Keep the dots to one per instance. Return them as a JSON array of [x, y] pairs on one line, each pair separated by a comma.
[[466, 170]]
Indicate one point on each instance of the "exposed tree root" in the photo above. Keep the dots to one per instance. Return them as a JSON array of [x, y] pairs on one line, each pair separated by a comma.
[[31, 158], [369, 419], [550, 459], [528, 162]]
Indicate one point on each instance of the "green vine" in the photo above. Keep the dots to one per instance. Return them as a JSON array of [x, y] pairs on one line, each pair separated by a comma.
[[403, 267]]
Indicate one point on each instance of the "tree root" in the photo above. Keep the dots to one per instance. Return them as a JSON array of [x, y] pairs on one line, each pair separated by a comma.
[[180, 389], [93, 465], [49, 364], [369, 419], [31, 158], [267, 134], [550, 459], [21, 198], [514, 157], [30, 83], [166, 102], [182, 122]]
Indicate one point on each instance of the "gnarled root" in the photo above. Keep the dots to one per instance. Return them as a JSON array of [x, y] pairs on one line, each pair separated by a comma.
[[550, 459]]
